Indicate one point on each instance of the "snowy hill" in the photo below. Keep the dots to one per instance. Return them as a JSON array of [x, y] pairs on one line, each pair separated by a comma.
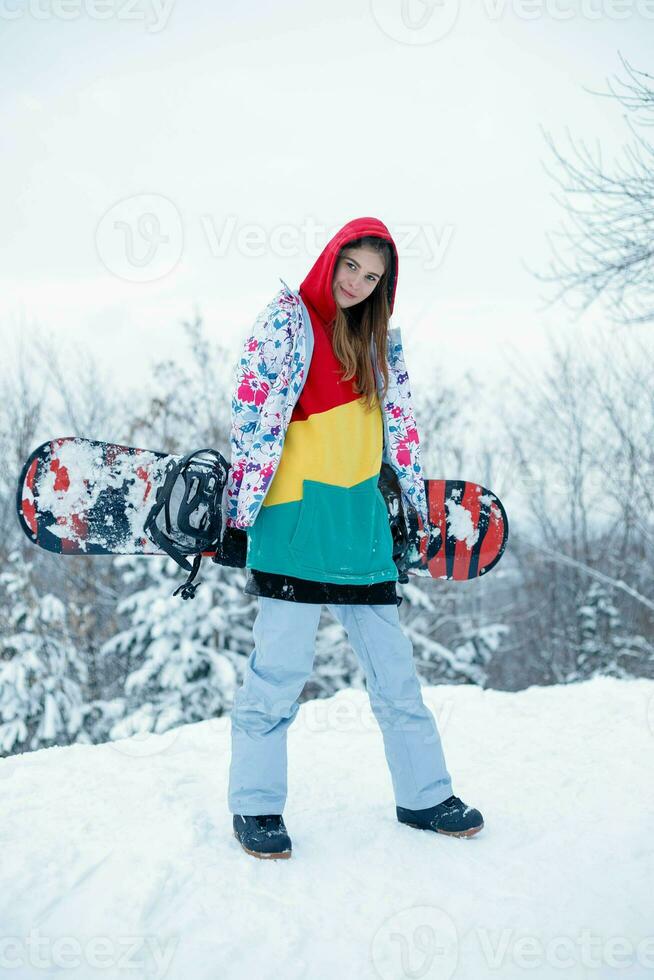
[[118, 860]]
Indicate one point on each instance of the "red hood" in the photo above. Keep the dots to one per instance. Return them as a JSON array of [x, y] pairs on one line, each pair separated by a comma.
[[316, 288]]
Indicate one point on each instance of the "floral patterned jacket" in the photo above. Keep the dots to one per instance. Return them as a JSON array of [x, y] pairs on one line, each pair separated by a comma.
[[268, 382]]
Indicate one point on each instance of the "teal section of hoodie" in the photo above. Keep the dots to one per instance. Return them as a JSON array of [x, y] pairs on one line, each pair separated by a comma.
[[334, 534]]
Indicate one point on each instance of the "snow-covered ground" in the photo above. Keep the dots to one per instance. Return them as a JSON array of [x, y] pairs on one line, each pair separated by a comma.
[[119, 861]]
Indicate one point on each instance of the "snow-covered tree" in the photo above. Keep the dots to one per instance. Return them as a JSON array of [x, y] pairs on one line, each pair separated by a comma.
[[450, 645], [41, 672], [186, 655], [604, 646]]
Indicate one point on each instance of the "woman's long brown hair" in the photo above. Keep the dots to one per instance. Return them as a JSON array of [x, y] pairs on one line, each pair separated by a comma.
[[355, 326]]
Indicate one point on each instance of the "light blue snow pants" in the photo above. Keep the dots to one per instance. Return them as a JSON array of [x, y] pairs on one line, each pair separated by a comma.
[[275, 674]]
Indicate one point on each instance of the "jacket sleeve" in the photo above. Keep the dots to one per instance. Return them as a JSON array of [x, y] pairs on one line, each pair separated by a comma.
[[262, 357], [410, 447]]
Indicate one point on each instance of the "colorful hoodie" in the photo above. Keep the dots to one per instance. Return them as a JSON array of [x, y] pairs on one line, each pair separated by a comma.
[[306, 451]]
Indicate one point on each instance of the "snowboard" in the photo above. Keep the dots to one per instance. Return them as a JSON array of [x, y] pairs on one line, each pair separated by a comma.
[[82, 497]]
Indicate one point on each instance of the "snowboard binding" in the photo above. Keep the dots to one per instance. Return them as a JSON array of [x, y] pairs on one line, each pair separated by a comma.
[[186, 518]]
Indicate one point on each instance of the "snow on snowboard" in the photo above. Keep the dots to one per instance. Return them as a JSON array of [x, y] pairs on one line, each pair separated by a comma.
[[82, 497]]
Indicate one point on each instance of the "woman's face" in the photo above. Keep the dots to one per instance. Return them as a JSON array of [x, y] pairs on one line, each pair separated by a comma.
[[358, 271]]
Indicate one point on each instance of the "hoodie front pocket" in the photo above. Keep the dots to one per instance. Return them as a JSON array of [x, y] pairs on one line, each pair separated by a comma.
[[343, 531]]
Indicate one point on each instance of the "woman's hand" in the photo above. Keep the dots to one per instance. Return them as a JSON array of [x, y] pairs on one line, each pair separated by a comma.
[[233, 548]]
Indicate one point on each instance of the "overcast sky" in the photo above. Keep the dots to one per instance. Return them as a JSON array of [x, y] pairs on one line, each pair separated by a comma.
[[158, 159]]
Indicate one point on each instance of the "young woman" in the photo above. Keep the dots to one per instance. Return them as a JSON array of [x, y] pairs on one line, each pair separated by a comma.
[[321, 398]]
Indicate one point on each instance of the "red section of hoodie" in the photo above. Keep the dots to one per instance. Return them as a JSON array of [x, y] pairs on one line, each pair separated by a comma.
[[324, 388], [316, 287]]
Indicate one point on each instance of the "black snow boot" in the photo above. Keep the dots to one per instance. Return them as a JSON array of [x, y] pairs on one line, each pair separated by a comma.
[[452, 817], [263, 836]]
